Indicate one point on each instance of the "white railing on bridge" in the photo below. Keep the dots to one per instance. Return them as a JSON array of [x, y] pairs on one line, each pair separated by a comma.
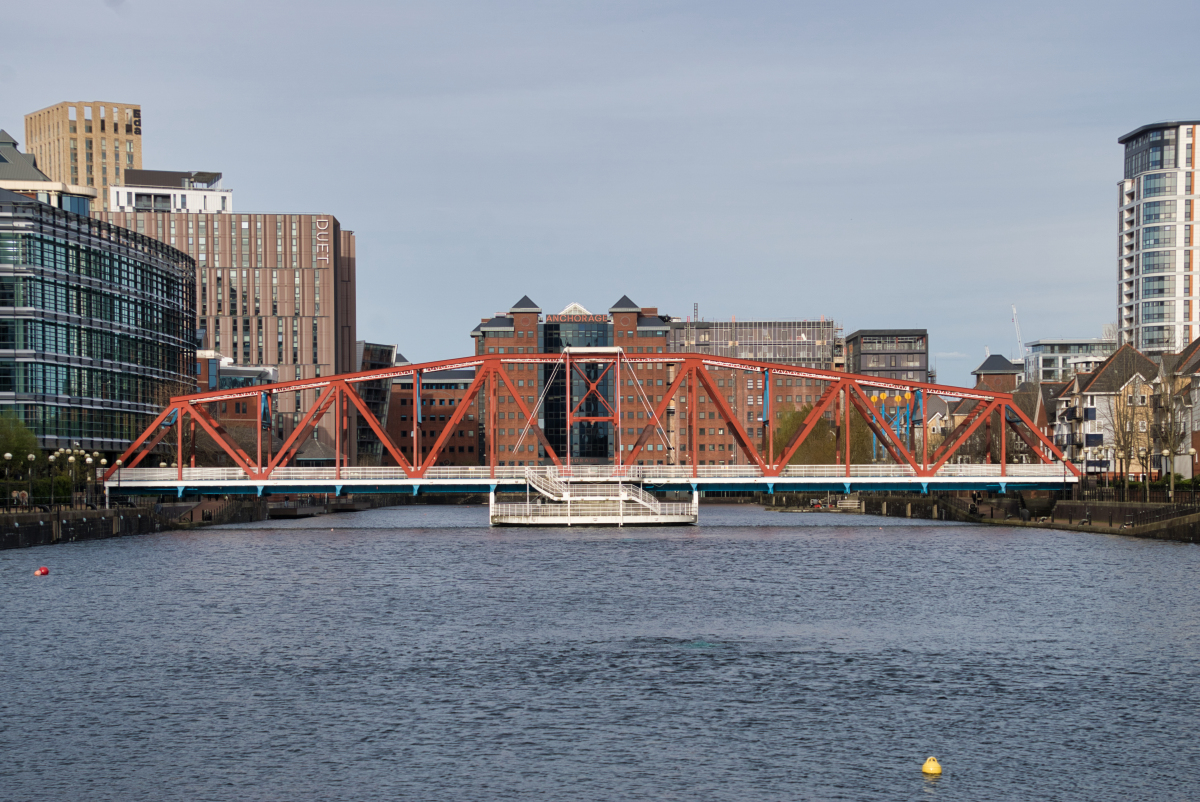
[[579, 475], [172, 475], [1021, 471], [641, 472], [839, 471]]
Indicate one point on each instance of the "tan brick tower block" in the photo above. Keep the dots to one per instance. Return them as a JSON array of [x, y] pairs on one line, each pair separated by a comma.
[[86, 143]]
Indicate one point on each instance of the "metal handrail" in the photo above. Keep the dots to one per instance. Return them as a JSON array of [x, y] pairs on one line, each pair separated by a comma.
[[591, 508], [590, 473]]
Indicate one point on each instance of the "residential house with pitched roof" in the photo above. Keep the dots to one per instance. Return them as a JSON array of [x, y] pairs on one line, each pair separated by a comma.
[[1106, 419]]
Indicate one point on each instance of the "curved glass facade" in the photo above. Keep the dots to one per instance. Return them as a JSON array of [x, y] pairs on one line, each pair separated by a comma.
[[97, 326]]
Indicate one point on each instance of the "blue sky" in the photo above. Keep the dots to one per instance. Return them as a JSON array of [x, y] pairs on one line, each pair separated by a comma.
[[916, 165]]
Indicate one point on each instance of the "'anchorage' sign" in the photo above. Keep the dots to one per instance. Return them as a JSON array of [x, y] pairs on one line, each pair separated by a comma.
[[576, 318]]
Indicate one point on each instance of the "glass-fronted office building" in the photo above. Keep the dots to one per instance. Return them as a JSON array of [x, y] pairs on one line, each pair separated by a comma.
[[589, 440], [97, 326], [628, 401]]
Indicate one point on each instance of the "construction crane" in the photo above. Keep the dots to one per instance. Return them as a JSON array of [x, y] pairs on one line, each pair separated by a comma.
[[1020, 342]]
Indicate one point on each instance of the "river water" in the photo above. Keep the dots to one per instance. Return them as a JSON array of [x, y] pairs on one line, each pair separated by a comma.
[[414, 653]]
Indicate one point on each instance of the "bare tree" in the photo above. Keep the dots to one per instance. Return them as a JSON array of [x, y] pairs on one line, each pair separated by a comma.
[[1123, 410], [1171, 426]]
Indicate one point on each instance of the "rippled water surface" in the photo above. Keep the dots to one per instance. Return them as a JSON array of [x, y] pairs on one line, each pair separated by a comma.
[[414, 653]]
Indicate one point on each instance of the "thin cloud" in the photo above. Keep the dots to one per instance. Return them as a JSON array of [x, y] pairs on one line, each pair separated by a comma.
[[681, 153]]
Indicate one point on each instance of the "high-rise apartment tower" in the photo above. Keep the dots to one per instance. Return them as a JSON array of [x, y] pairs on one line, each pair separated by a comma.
[[88, 144], [1156, 282]]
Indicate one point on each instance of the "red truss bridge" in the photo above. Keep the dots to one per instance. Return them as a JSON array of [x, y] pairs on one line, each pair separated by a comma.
[[909, 463]]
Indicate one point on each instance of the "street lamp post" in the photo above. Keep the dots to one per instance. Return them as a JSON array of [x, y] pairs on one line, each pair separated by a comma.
[[1145, 477], [1169, 464], [1124, 457], [87, 477], [1064, 464], [71, 463], [1192, 476], [31, 458], [50, 474]]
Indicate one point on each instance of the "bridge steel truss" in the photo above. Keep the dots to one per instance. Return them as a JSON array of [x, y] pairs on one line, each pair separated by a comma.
[[845, 393]]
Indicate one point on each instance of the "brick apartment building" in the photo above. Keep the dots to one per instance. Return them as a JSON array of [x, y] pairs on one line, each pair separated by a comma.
[[441, 393], [523, 329]]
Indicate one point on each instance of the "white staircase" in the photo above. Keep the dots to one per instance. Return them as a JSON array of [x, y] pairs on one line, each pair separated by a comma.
[[559, 491], [589, 500]]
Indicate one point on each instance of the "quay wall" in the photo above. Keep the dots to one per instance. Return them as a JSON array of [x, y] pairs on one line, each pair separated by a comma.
[[1106, 517]]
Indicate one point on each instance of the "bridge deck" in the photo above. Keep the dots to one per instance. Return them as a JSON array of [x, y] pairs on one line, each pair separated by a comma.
[[221, 481]]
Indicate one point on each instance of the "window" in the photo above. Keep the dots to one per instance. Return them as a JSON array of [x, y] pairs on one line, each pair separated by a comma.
[[1158, 285], [1158, 211], [1158, 184], [1158, 311], [1157, 336], [1158, 236], [1158, 262]]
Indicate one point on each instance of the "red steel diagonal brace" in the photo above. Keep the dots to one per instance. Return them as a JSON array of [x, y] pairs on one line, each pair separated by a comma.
[[731, 419], [657, 412], [217, 432], [463, 404], [146, 434], [802, 433], [951, 439], [899, 453], [987, 411], [309, 420], [1045, 441], [384, 437], [532, 421]]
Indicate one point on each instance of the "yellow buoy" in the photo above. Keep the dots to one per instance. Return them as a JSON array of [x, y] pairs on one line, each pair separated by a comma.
[[932, 766]]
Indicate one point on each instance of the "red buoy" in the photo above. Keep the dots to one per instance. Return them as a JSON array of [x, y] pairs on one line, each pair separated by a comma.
[[43, 571]]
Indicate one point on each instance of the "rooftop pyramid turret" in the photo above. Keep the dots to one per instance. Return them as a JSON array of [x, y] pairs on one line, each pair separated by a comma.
[[624, 305], [526, 305]]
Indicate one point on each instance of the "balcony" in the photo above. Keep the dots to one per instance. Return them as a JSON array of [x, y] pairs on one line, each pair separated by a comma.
[[1064, 440]]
